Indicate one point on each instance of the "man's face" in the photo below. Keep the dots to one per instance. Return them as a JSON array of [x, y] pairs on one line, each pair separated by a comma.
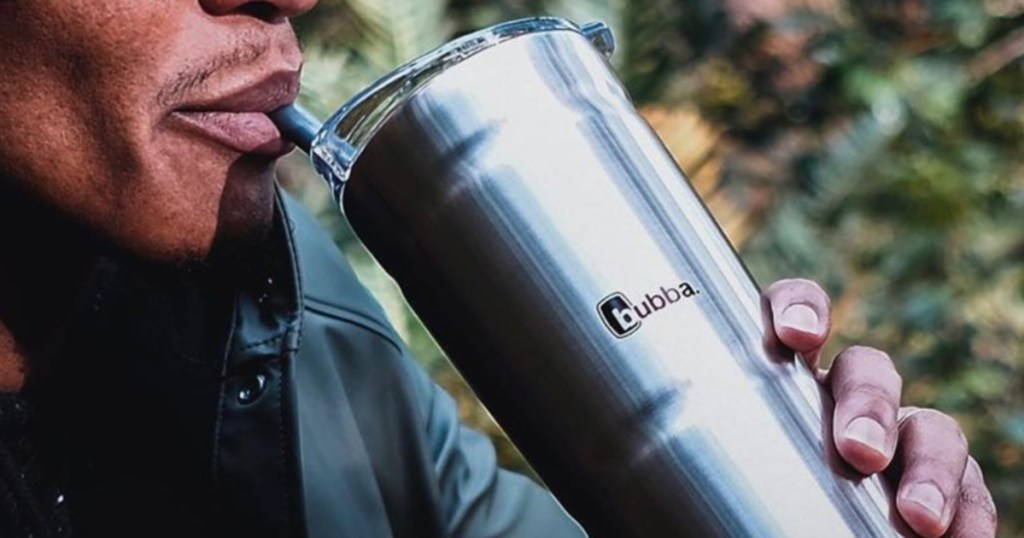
[[144, 120]]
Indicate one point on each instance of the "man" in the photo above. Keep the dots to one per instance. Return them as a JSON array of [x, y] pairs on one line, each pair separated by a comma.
[[183, 354]]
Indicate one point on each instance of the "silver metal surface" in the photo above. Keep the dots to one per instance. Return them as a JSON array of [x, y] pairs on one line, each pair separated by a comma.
[[552, 246]]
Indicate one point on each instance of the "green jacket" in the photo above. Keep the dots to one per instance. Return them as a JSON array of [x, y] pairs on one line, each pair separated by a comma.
[[270, 400]]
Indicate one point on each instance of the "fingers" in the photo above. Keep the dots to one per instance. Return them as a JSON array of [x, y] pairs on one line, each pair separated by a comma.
[[799, 317], [866, 389], [933, 454], [976, 515], [941, 489]]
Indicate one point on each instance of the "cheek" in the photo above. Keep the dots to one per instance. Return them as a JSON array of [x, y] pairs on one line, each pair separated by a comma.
[[82, 130], [76, 95], [165, 199], [181, 193]]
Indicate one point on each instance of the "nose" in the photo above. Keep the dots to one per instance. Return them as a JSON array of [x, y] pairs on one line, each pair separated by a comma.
[[269, 10]]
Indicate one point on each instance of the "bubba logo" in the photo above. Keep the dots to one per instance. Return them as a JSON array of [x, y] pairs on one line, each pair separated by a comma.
[[623, 318]]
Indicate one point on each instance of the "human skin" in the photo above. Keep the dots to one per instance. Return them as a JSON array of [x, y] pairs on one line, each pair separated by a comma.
[[92, 101], [940, 489], [139, 125], [95, 99]]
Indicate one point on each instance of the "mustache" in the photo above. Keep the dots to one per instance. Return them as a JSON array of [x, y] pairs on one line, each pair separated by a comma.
[[191, 79]]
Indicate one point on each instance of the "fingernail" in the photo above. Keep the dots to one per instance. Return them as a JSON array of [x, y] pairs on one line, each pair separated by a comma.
[[800, 317], [867, 432], [929, 497]]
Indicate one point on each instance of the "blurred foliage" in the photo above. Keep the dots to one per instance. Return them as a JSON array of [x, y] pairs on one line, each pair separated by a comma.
[[871, 145]]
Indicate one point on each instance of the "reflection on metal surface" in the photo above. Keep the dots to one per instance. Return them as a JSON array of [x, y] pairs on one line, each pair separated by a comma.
[[559, 256]]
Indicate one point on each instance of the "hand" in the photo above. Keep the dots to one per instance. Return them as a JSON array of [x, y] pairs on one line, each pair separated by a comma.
[[940, 488]]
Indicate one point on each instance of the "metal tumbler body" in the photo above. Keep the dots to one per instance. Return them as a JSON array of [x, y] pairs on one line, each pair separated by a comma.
[[554, 249]]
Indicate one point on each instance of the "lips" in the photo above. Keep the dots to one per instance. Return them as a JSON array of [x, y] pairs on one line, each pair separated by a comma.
[[244, 132], [239, 121]]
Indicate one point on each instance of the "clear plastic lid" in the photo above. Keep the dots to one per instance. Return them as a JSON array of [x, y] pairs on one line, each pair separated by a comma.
[[347, 132]]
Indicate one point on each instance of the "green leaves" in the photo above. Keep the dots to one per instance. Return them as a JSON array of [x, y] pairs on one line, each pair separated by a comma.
[[349, 44], [396, 31]]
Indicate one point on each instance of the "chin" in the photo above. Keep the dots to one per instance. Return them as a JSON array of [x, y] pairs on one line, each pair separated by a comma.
[[201, 229], [245, 217], [234, 242]]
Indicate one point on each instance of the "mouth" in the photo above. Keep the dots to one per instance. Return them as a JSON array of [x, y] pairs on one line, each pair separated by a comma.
[[239, 120]]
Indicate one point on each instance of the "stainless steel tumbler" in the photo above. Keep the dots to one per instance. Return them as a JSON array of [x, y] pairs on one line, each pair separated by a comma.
[[551, 245]]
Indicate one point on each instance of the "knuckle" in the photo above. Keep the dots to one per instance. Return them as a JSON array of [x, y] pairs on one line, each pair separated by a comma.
[[778, 287], [868, 365], [810, 287], [871, 354], [796, 287], [871, 398], [890, 380], [938, 423], [979, 499], [974, 484], [907, 411], [976, 473], [929, 467]]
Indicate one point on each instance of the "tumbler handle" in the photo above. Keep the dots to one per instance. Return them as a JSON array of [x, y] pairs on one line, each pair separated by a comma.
[[335, 145], [601, 36]]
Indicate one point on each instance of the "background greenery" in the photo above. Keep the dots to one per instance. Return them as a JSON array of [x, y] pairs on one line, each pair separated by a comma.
[[872, 145]]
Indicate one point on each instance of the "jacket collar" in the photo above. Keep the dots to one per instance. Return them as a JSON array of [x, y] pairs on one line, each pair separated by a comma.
[[172, 306], [268, 307]]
